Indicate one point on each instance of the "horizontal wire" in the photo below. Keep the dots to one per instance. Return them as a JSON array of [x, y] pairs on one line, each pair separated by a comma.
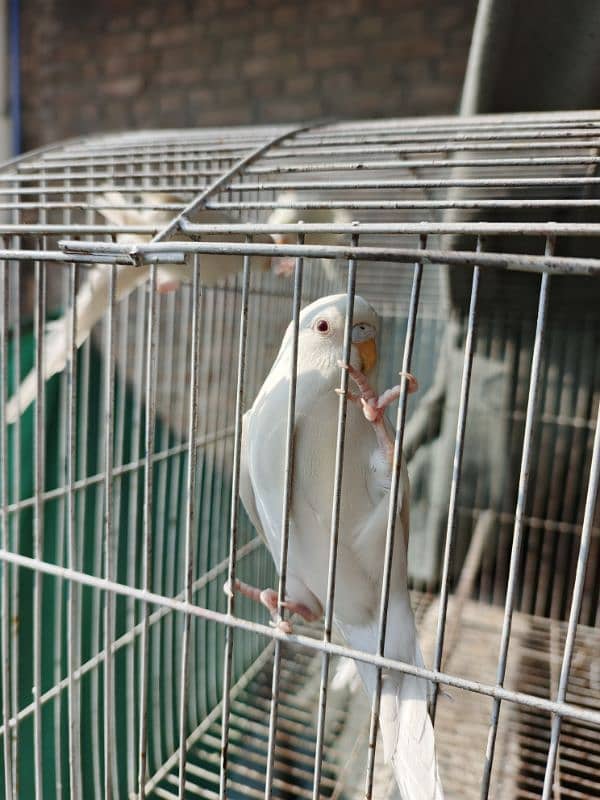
[[400, 228], [166, 157], [414, 183], [550, 181], [490, 690], [350, 204], [395, 205], [391, 228], [169, 251], [271, 168]]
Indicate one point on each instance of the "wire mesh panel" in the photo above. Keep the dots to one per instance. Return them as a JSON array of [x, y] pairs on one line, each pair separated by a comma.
[[146, 283]]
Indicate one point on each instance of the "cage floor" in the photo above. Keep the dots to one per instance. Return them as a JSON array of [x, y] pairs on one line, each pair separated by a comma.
[[461, 725]]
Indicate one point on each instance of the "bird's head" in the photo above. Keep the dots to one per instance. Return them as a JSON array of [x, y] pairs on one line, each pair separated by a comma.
[[321, 340]]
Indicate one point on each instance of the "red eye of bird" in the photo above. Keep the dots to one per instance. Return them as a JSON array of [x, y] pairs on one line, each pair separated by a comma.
[[322, 326]]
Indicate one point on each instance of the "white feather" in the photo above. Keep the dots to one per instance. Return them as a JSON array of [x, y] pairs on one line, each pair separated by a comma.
[[346, 676]]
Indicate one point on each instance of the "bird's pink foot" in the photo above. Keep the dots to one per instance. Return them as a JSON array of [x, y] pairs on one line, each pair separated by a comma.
[[168, 286], [374, 405], [305, 612], [270, 599], [283, 266]]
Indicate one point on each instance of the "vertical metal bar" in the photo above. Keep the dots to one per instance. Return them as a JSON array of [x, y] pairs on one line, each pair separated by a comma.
[[218, 501], [163, 470], [213, 329], [452, 523], [59, 555], [189, 524], [73, 589], [150, 412], [393, 512], [285, 516], [123, 533], [170, 623], [335, 521], [109, 555], [587, 346], [132, 543], [582, 561], [95, 508], [120, 428], [15, 479], [5, 601], [519, 513], [233, 536], [73, 600], [38, 521]]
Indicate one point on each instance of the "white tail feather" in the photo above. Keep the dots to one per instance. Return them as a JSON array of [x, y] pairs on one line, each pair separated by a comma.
[[408, 738], [406, 728]]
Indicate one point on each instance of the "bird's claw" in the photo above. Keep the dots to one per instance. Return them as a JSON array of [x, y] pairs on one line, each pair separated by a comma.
[[352, 398], [372, 411], [304, 611], [283, 625], [168, 286], [270, 600], [374, 405], [412, 382], [283, 266]]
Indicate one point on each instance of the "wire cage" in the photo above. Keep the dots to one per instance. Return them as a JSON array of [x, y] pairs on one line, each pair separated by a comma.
[[126, 671]]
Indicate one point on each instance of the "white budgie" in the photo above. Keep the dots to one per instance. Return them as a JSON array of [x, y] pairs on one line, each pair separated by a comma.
[[406, 727], [289, 216], [92, 297]]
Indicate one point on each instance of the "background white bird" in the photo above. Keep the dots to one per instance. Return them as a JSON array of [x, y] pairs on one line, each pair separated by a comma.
[[284, 215], [407, 731], [92, 297]]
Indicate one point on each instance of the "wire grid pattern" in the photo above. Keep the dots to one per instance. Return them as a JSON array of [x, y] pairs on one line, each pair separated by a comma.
[[125, 669]]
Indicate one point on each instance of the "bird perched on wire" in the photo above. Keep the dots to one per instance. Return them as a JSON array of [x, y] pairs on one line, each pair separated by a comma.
[[287, 214], [93, 296], [404, 720]]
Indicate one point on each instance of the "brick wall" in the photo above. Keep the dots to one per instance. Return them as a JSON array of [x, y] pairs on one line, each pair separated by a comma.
[[126, 64]]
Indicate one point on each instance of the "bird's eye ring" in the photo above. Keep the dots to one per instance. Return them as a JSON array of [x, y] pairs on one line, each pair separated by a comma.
[[322, 326]]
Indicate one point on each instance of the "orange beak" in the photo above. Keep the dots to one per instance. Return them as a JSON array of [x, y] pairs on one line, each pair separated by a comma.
[[368, 354]]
